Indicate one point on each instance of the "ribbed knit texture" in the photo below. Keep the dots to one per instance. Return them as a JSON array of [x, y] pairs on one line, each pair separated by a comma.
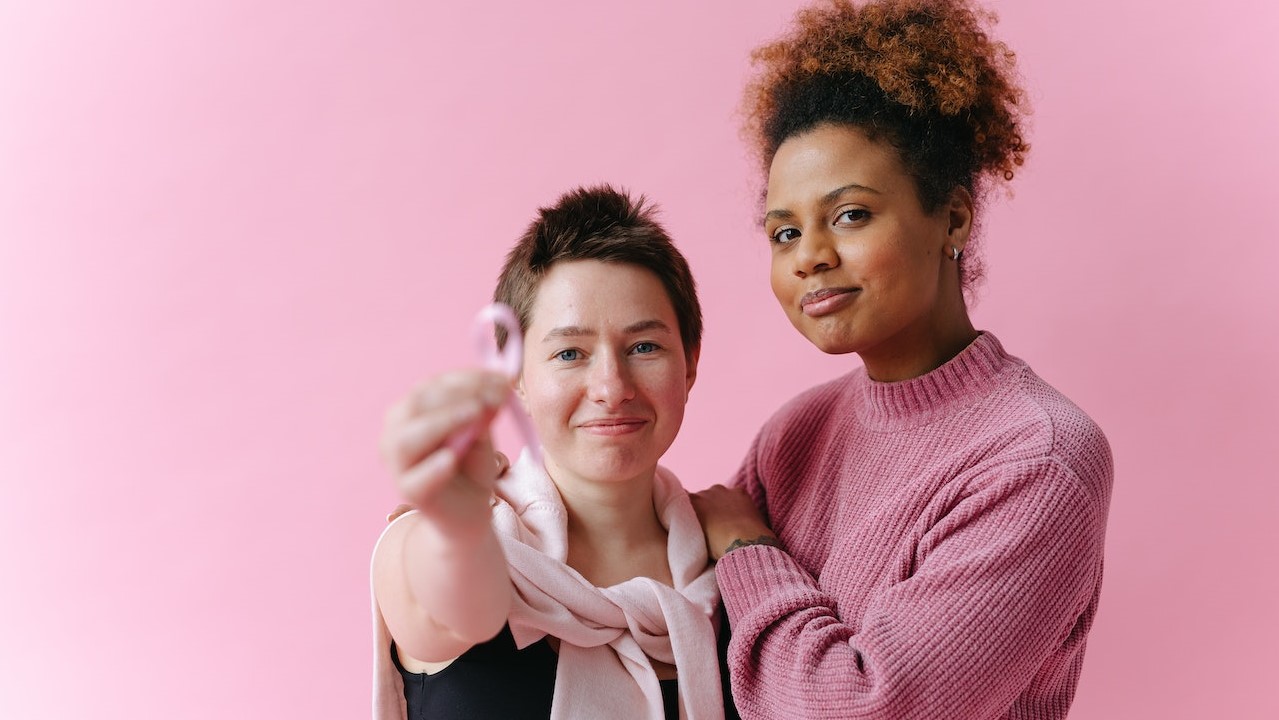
[[943, 548]]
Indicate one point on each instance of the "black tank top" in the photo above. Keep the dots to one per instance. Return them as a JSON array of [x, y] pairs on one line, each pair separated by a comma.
[[495, 679]]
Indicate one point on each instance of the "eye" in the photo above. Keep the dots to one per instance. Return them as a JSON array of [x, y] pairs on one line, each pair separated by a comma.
[[568, 355], [784, 235], [645, 348], [852, 216]]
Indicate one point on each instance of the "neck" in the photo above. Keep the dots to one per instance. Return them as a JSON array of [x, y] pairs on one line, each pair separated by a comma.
[[927, 345], [611, 513], [614, 533]]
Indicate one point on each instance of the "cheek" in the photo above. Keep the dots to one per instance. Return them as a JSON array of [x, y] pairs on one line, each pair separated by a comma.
[[663, 383], [675, 390], [778, 279], [547, 400], [892, 266]]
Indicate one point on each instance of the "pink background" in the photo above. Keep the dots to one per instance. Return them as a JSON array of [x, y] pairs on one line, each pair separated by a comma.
[[232, 232]]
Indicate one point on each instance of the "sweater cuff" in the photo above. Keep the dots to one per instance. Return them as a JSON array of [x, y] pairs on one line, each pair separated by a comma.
[[751, 576]]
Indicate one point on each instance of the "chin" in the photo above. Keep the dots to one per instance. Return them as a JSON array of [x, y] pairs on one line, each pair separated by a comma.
[[613, 469], [826, 334], [835, 348], [830, 343]]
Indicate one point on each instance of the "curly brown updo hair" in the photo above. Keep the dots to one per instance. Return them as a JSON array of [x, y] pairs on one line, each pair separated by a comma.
[[922, 75]]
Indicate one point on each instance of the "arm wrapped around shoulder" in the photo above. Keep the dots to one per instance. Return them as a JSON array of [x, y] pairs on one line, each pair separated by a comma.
[[991, 617]]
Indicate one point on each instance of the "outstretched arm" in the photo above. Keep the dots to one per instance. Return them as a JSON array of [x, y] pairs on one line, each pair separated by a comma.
[[439, 576]]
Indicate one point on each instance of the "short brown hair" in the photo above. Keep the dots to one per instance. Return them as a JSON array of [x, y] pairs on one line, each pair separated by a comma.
[[599, 223]]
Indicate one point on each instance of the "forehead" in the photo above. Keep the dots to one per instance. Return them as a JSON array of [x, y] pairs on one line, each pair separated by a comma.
[[809, 165], [593, 293]]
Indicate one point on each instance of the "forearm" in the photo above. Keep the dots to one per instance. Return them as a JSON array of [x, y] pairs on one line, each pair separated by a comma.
[[789, 650], [440, 593], [995, 594], [793, 655]]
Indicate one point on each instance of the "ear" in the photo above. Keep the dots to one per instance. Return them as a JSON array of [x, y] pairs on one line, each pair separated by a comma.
[[517, 386], [690, 373], [959, 217]]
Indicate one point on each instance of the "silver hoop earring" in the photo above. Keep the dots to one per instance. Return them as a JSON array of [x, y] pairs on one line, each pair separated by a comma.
[[956, 253]]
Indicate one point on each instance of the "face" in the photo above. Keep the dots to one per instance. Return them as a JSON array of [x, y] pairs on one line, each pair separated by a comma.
[[857, 264], [605, 376]]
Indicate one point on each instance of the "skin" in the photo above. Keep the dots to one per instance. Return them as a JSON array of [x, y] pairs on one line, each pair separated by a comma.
[[605, 379], [858, 266], [605, 375], [450, 532]]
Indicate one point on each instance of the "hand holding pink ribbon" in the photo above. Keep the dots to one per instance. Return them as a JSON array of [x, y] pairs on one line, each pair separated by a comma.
[[507, 360]]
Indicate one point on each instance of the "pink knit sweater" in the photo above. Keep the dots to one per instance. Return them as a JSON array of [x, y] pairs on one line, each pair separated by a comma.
[[943, 548]]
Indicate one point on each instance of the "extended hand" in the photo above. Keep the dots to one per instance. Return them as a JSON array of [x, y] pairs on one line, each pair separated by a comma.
[[454, 491], [503, 464]]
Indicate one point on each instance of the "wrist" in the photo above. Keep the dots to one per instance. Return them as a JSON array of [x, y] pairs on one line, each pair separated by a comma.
[[453, 526], [748, 539]]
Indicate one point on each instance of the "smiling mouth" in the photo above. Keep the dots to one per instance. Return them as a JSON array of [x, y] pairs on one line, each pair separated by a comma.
[[827, 300], [613, 426]]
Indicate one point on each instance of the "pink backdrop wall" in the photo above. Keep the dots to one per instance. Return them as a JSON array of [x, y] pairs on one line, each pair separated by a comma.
[[232, 232]]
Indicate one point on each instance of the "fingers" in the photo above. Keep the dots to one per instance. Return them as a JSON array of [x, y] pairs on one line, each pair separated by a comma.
[[483, 386], [503, 463], [478, 465], [437, 444], [444, 407], [453, 491], [717, 487], [711, 495], [420, 482], [486, 386], [415, 438], [397, 512]]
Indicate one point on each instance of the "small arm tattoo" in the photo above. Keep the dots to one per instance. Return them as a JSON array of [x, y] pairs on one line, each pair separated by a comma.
[[761, 540]]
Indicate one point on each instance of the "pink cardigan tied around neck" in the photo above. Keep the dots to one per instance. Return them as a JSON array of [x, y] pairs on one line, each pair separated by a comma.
[[607, 635]]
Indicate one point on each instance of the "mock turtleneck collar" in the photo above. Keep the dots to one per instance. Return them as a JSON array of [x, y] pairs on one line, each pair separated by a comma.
[[961, 381]]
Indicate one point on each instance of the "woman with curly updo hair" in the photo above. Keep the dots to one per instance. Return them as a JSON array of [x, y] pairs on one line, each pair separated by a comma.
[[922, 537]]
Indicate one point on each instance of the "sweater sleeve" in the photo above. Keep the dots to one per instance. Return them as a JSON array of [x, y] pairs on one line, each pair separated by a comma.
[[998, 583], [747, 476]]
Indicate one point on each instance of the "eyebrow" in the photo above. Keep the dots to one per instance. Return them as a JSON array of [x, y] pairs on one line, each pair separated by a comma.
[[569, 331], [784, 214], [645, 326]]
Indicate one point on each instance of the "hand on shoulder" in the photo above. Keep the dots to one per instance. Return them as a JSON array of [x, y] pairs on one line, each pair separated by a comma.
[[730, 520]]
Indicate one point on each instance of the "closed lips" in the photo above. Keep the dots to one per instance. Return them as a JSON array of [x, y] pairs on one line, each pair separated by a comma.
[[613, 426], [827, 301], [819, 295]]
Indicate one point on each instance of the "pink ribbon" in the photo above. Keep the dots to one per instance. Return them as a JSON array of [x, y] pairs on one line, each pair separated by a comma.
[[509, 361]]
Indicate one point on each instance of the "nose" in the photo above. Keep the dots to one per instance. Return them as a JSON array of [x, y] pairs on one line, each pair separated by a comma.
[[609, 382], [816, 253]]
